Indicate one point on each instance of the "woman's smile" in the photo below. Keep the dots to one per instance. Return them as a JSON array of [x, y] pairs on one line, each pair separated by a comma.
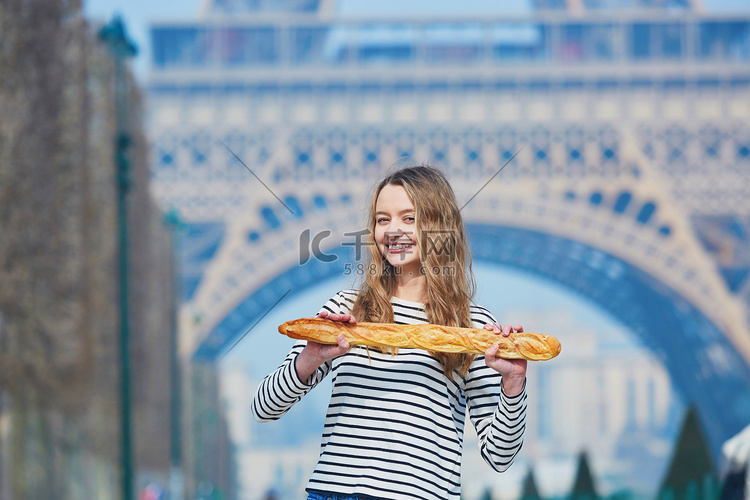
[[399, 247]]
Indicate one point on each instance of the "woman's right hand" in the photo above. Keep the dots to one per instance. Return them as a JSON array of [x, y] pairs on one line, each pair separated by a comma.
[[315, 354]]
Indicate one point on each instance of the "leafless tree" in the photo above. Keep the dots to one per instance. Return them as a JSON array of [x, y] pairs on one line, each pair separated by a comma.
[[59, 375]]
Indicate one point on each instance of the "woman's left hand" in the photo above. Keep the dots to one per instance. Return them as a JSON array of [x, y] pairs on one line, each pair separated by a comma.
[[512, 370]]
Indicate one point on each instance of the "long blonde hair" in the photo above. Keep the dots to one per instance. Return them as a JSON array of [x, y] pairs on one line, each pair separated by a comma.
[[444, 251]]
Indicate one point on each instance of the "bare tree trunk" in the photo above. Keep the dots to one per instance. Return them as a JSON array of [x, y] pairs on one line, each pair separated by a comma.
[[19, 486]]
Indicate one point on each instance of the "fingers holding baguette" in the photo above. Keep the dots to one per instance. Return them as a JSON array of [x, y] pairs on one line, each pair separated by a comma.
[[344, 318], [505, 330]]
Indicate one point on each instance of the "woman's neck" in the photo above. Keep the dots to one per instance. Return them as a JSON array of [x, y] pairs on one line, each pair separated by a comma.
[[411, 287]]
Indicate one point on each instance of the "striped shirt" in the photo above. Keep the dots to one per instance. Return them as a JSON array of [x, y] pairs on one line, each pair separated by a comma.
[[395, 424]]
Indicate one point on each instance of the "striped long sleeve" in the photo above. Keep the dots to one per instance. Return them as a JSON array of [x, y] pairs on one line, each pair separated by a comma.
[[283, 388], [394, 426]]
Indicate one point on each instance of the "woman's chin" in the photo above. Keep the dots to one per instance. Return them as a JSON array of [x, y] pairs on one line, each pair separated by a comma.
[[405, 267]]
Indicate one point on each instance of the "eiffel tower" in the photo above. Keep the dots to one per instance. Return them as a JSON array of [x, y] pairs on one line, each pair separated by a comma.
[[625, 127]]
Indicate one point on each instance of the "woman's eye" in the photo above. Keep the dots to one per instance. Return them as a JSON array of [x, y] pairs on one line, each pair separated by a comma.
[[409, 219], [382, 219]]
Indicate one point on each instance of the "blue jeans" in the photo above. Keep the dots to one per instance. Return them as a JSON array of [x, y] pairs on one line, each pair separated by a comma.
[[314, 495]]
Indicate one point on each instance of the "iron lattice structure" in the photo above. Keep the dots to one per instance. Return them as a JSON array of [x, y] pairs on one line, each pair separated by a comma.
[[631, 183]]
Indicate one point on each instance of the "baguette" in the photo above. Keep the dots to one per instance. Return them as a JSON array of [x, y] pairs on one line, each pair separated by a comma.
[[522, 345]]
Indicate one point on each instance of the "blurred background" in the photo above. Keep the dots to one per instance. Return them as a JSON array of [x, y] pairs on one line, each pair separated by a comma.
[[179, 178]]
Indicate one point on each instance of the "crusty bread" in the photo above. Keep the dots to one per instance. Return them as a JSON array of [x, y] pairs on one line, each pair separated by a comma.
[[523, 345]]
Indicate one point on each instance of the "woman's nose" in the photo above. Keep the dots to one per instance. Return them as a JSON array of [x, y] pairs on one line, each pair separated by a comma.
[[394, 228]]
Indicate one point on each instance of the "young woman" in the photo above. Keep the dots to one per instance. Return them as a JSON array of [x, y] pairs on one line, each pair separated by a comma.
[[395, 422]]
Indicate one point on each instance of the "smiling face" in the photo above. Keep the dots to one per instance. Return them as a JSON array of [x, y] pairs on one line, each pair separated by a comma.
[[396, 229]]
